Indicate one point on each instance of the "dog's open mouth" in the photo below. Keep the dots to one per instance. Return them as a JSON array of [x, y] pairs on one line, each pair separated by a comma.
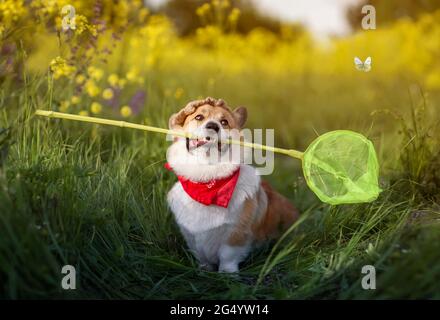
[[192, 144]]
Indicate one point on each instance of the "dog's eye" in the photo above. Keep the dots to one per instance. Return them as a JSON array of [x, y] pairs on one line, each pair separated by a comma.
[[224, 123], [199, 117]]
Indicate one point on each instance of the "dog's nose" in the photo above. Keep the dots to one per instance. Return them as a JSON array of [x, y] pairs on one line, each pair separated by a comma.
[[213, 126]]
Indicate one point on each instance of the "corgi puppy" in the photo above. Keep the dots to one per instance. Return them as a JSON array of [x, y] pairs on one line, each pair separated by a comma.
[[220, 204]]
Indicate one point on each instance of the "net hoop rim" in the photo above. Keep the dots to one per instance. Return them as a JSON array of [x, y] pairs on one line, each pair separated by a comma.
[[315, 189]]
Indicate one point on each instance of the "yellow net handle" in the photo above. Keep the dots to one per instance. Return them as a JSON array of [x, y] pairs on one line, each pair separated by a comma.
[[124, 124]]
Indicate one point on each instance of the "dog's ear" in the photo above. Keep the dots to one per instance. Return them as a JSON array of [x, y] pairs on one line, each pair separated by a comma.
[[178, 119], [175, 123], [240, 115]]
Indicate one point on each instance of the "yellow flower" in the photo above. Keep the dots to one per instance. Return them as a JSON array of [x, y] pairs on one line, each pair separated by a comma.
[[60, 68], [80, 79], [143, 13], [64, 106], [126, 111], [203, 9], [11, 10], [132, 74], [121, 83], [58, 22], [234, 15], [82, 24], [113, 80], [96, 108], [91, 88], [179, 93], [107, 94], [95, 73], [75, 100], [84, 113]]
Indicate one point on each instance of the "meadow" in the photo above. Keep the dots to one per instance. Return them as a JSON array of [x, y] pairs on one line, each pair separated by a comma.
[[94, 197]]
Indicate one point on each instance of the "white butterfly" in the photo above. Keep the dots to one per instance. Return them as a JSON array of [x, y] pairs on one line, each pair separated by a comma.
[[363, 66]]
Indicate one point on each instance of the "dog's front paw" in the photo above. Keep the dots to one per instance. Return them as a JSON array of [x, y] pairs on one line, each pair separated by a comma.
[[228, 267], [207, 267]]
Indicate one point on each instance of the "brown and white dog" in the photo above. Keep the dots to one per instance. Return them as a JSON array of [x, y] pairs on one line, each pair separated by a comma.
[[220, 224]]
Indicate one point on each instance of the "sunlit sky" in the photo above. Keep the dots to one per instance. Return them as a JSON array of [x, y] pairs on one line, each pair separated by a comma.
[[322, 17]]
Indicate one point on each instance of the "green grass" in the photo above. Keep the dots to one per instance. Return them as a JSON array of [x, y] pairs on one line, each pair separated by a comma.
[[94, 197]]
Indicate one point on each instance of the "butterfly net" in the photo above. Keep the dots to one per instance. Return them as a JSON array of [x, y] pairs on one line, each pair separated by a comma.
[[341, 167]]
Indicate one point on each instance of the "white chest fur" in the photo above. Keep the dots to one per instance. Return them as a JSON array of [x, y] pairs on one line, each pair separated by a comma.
[[196, 217]]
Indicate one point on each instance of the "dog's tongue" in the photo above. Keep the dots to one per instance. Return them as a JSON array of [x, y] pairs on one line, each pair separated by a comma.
[[197, 143]]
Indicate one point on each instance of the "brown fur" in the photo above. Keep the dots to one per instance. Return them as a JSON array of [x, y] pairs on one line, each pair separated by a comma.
[[242, 232], [216, 113], [209, 107], [279, 216]]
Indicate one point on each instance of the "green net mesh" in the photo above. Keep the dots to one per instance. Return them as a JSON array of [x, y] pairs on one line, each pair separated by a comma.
[[341, 167]]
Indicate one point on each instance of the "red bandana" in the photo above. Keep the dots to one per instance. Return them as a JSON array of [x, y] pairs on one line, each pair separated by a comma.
[[218, 192]]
